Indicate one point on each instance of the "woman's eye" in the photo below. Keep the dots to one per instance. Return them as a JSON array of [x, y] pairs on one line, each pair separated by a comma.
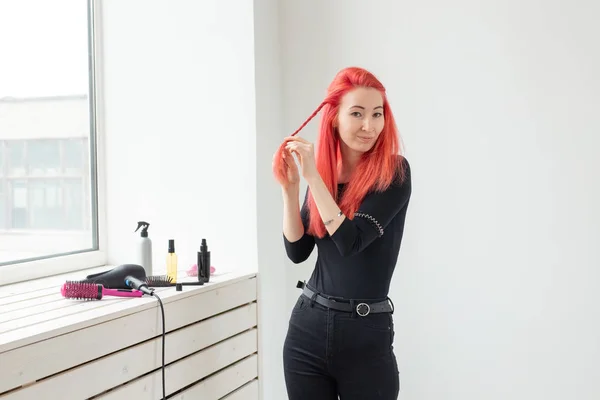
[[356, 114], [377, 115]]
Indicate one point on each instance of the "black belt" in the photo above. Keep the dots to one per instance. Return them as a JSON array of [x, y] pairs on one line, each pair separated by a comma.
[[362, 308]]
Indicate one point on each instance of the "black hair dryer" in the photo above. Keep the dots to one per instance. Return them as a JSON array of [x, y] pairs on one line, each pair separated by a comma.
[[115, 278]]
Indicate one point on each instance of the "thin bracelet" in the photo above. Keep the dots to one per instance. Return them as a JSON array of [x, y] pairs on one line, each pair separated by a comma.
[[331, 220]]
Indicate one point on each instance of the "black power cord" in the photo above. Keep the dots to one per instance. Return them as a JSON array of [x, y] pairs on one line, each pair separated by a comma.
[[143, 287], [162, 310]]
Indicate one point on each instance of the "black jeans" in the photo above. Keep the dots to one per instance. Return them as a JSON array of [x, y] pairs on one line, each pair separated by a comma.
[[329, 353]]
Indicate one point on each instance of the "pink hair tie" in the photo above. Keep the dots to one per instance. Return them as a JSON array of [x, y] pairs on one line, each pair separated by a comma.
[[193, 271]]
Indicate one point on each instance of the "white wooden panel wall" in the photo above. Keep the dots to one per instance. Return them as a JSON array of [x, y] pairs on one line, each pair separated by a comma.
[[54, 348]]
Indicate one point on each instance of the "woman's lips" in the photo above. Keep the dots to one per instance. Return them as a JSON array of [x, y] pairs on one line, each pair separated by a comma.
[[365, 139]]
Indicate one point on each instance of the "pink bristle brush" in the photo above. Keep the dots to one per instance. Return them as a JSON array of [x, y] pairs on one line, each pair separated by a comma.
[[94, 291]]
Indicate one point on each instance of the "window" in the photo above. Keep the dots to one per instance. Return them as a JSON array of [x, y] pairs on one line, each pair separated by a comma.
[[3, 209], [49, 186]]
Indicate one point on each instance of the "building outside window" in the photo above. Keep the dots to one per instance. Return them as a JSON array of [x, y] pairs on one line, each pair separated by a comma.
[[47, 185], [48, 135]]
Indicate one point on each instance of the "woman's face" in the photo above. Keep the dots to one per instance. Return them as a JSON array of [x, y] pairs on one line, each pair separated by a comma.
[[360, 119]]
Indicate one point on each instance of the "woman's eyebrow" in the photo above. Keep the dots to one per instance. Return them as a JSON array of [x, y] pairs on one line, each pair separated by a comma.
[[362, 108]]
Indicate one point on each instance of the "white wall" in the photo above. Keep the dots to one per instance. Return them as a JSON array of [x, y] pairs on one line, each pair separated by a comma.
[[495, 289], [180, 129], [182, 88], [497, 284], [271, 257], [272, 288]]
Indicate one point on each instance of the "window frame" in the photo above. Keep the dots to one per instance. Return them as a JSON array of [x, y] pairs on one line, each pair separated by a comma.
[[79, 260]]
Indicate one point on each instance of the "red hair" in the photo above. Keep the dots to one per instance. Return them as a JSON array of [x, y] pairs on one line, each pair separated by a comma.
[[377, 168]]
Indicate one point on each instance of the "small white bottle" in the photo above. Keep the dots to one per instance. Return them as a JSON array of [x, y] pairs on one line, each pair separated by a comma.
[[143, 248]]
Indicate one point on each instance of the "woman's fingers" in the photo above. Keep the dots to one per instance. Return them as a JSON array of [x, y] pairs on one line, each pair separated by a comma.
[[286, 162], [290, 147], [288, 159], [299, 147], [299, 150], [295, 139], [298, 143], [287, 154]]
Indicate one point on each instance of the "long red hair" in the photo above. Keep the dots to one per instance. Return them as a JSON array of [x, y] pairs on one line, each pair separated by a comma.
[[377, 168]]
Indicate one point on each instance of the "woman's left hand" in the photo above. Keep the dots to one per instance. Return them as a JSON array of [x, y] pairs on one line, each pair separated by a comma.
[[305, 152]]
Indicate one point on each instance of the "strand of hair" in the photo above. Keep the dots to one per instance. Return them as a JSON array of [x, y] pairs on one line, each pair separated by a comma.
[[309, 118]]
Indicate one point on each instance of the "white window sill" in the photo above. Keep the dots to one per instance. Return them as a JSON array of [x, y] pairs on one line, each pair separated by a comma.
[[35, 310], [40, 330]]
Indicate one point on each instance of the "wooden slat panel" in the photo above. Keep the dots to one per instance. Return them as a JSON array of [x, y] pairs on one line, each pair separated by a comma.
[[111, 307], [216, 386], [22, 337], [49, 303], [24, 309], [34, 294], [55, 310], [247, 392], [188, 370], [31, 303], [135, 361], [98, 312], [112, 329]]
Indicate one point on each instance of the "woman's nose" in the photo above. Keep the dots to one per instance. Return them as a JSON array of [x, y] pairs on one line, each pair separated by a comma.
[[367, 124]]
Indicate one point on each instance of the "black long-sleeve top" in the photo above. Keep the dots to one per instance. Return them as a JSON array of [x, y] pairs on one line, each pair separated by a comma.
[[358, 260]]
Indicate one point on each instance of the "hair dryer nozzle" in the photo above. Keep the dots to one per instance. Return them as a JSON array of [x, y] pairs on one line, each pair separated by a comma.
[[135, 283]]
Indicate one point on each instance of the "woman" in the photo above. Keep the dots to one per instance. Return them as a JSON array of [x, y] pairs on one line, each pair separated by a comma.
[[339, 340]]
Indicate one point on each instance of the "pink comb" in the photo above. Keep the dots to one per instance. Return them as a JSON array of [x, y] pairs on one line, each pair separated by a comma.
[[94, 291]]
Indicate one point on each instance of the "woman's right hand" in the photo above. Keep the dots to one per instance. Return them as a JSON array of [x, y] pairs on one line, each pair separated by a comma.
[[292, 172]]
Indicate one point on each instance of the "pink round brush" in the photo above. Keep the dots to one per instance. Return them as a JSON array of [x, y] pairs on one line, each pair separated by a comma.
[[94, 291]]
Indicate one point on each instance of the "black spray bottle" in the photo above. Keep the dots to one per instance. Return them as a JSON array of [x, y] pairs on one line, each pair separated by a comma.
[[203, 263]]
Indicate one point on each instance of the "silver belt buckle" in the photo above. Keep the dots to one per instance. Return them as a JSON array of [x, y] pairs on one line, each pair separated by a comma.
[[363, 307]]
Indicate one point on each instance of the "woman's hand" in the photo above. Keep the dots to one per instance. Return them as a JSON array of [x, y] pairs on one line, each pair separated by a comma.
[[305, 152], [292, 174]]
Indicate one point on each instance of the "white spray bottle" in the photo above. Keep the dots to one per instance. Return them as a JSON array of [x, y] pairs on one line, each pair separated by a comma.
[[143, 248]]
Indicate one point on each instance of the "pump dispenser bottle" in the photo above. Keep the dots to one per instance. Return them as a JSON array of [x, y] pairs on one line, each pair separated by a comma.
[[172, 261], [204, 262], [143, 248]]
